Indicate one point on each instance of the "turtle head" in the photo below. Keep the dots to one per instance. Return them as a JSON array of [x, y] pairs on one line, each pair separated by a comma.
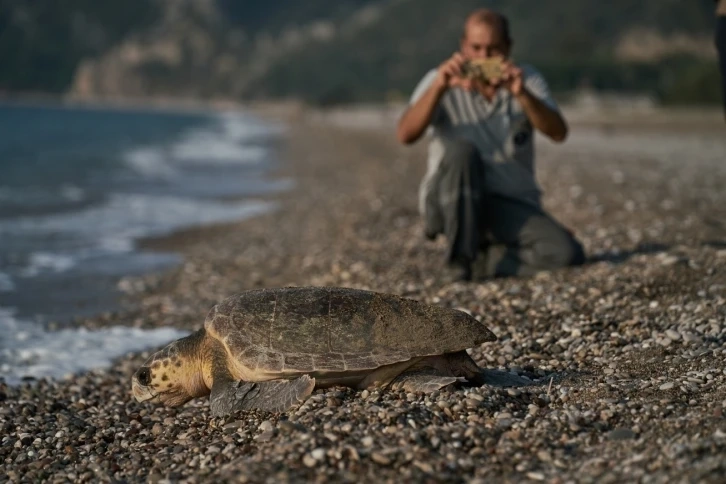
[[173, 375]]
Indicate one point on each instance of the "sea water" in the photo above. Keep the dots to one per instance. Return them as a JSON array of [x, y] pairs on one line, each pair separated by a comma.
[[79, 187]]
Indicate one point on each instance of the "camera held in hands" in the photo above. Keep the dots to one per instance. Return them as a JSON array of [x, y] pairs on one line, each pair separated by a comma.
[[486, 70]]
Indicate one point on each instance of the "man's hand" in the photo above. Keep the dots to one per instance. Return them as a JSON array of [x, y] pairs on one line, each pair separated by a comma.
[[512, 78], [450, 73], [544, 119], [417, 117]]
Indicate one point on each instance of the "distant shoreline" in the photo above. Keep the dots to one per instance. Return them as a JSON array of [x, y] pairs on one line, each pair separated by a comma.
[[112, 300], [599, 108], [172, 105]]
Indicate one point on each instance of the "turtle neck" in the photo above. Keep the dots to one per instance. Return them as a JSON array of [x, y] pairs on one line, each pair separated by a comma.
[[721, 7]]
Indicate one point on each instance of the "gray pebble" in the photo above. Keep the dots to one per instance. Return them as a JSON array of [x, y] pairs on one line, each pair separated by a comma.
[[621, 434]]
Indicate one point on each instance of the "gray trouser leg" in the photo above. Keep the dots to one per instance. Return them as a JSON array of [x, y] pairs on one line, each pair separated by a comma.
[[523, 239], [454, 206], [526, 240]]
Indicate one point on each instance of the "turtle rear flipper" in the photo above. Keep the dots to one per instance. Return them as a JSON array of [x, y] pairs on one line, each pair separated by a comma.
[[268, 396], [499, 378], [462, 364], [424, 380]]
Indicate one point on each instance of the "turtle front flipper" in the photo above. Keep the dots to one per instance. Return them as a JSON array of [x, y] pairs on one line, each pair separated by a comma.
[[269, 396]]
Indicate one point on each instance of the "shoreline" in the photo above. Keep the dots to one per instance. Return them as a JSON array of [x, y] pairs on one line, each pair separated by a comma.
[[108, 299], [603, 113], [274, 110], [633, 341]]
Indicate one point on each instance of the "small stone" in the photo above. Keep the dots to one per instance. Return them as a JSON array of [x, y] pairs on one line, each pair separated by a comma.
[[318, 454], [424, 467], [352, 453], [288, 427], [234, 425], [471, 403], [213, 450], [691, 338], [265, 436], [667, 386], [544, 456], [671, 259], [536, 476], [673, 335], [309, 461], [381, 459], [622, 434]]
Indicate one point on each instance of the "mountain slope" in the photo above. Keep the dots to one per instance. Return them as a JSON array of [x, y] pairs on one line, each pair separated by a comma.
[[341, 50], [570, 37], [41, 43]]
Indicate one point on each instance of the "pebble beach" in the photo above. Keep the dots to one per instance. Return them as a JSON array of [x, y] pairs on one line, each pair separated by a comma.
[[625, 354]]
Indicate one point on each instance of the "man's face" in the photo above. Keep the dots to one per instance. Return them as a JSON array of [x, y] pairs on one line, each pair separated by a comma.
[[481, 41]]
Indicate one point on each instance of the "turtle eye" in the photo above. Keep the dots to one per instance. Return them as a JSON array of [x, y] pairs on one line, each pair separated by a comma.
[[144, 376]]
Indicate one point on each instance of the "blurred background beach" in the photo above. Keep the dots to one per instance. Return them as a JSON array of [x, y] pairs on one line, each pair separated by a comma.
[[158, 156], [127, 120]]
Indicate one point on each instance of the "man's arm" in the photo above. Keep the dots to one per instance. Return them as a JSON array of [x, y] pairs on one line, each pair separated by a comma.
[[543, 116], [417, 118], [545, 119]]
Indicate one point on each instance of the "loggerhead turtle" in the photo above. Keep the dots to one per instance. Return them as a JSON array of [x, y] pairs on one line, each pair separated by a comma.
[[268, 349]]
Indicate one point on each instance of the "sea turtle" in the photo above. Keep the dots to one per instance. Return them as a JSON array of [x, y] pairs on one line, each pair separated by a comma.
[[268, 349]]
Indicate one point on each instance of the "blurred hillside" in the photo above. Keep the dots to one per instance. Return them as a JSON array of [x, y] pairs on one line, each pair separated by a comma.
[[332, 51]]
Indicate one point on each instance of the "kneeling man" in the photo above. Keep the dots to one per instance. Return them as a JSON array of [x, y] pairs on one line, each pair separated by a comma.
[[480, 189]]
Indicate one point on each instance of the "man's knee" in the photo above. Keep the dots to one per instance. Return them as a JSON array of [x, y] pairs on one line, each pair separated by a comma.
[[559, 250]]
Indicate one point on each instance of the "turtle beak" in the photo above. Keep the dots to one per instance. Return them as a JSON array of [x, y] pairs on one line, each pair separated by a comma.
[[139, 385], [141, 392]]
